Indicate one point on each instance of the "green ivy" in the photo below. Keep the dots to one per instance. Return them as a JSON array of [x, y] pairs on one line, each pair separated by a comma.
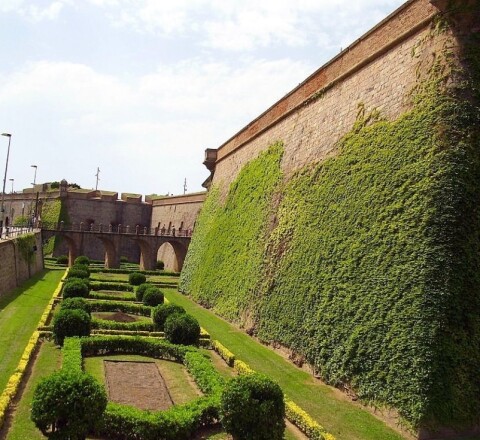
[[25, 244], [367, 264], [229, 238], [53, 211]]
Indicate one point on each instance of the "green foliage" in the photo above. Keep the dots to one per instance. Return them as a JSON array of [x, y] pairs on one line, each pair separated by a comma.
[[73, 272], [121, 287], [224, 260], [26, 245], [166, 273], [160, 265], [83, 260], [371, 269], [252, 408], [78, 266], [72, 355], [107, 324], [140, 290], [70, 322], [62, 259], [162, 312], [136, 278], [53, 212], [75, 303], [120, 306], [181, 328], [66, 405], [21, 221], [75, 288], [204, 373], [153, 296]]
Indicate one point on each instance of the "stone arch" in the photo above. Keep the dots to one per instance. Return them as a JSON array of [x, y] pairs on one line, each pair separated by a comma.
[[112, 257], [147, 255], [72, 249], [179, 251]]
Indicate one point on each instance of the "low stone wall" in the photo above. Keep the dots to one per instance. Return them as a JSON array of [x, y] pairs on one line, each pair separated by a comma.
[[14, 269]]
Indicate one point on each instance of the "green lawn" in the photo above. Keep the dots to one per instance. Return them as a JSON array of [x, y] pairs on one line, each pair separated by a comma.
[[345, 420], [20, 311], [48, 360]]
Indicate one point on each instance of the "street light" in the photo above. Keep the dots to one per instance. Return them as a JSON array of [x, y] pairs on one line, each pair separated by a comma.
[[11, 203], [4, 183], [33, 195]]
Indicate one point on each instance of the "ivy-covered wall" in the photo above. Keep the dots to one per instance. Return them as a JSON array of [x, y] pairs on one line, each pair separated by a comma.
[[53, 211], [367, 264]]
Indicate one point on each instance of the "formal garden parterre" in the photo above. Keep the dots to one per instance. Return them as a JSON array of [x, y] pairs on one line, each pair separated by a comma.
[[87, 326]]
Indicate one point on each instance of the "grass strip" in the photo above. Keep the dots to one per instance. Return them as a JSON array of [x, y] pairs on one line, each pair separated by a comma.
[[343, 419]]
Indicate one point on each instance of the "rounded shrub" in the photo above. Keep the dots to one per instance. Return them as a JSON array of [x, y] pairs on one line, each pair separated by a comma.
[[75, 288], [75, 272], [140, 290], [62, 259], [162, 312], [160, 265], [70, 322], [67, 405], [83, 267], [153, 296], [136, 278], [85, 281], [181, 328], [75, 303], [123, 260], [252, 408], [82, 259]]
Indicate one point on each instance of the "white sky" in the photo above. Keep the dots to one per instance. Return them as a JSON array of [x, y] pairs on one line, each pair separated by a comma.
[[140, 88]]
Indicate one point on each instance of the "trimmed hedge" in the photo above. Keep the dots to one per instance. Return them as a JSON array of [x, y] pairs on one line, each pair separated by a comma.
[[163, 311], [144, 272], [140, 291], [135, 278], [77, 273], [119, 306], [110, 296], [181, 328], [75, 303], [252, 408], [73, 289], [70, 322], [153, 296], [121, 287]]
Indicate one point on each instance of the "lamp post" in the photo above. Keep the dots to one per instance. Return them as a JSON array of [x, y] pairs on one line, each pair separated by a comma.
[[4, 183], [32, 212], [11, 204]]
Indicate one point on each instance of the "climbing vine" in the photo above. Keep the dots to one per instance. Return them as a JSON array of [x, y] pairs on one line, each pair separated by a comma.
[[25, 244]]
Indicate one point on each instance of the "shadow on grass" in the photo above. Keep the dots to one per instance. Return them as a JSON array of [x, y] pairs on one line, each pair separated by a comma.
[[9, 297]]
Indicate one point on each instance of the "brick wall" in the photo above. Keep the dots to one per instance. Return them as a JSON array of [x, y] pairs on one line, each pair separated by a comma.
[[13, 269], [377, 71]]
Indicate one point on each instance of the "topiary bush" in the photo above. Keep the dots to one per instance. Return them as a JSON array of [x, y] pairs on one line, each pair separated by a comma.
[[161, 312], [83, 260], [67, 405], [160, 265], [75, 272], [181, 328], [75, 288], [83, 267], [153, 296], [70, 322], [75, 303], [62, 259], [140, 290], [136, 278], [252, 408]]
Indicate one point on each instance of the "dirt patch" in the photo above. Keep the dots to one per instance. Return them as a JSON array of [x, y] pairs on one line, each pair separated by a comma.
[[138, 384], [116, 316]]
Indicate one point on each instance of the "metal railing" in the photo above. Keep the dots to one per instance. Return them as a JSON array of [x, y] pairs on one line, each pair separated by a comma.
[[9, 232], [115, 229]]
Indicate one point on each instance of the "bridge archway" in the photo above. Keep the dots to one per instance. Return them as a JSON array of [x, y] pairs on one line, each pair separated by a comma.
[[179, 251], [112, 257], [72, 249]]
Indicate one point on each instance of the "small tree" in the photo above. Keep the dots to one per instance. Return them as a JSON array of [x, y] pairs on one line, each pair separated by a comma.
[[162, 312], [70, 322], [136, 278], [153, 296], [181, 328], [140, 290], [252, 408], [78, 266], [82, 259], [75, 288], [66, 405]]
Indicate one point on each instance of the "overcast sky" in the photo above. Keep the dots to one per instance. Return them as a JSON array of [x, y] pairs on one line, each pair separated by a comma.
[[140, 88]]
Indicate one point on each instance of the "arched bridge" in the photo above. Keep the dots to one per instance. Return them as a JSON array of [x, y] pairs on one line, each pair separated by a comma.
[[112, 237]]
